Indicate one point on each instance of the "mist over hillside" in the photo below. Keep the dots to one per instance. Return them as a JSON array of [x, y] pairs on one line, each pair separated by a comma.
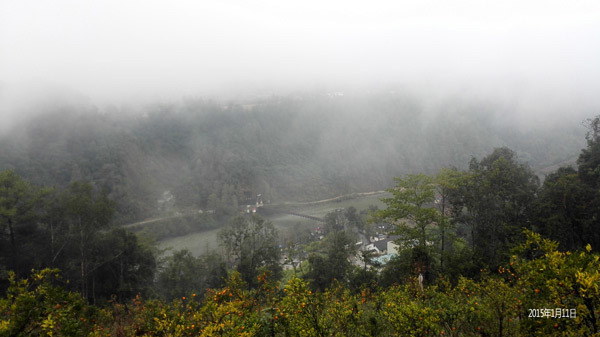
[[215, 103], [273, 168], [218, 154]]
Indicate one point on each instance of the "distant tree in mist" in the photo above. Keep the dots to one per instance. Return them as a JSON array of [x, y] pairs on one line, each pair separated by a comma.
[[251, 243]]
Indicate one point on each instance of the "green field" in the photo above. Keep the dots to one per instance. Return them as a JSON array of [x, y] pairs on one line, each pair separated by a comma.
[[360, 203], [201, 242]]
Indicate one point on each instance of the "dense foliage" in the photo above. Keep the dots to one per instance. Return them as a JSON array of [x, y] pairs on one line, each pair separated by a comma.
[[539, 281], [69, 229]]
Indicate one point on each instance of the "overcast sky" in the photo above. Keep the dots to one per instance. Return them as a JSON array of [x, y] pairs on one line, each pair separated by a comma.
[[119, 49]]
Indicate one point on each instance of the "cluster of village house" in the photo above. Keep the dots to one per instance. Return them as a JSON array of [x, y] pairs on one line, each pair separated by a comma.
[[381, 245]]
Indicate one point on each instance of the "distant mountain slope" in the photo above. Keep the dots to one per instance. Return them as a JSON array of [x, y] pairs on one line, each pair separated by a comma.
[[211, 155]]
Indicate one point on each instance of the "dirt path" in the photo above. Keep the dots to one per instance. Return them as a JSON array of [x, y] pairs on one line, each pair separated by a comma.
[[316, 202]]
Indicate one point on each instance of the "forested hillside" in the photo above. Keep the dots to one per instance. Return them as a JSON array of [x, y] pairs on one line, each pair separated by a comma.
[[485, 250], [218, 155]]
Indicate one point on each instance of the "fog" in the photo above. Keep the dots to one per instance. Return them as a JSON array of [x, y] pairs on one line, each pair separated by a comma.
[[115, 51], [212, 101]]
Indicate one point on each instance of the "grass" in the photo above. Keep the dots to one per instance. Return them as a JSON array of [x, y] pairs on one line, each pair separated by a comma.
[[197, 243], [360, 203], [207, 241]]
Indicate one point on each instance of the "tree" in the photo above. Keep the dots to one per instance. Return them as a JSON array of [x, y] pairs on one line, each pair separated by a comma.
[[182, 274], [57, 231], [86, 214], [294, 253], [19, 212], [552, 278], [568, 206], [447, 182], [37, 307], [589, 175], [495, 198], [332, 262], [122, 266], [561, 211], [335, 222], [354, 218], [410, 209], [589, 159], [364, 276], [251, 243]]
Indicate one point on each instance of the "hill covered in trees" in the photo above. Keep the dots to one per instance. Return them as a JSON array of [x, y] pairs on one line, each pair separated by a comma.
[[486, 250], [219, 155]]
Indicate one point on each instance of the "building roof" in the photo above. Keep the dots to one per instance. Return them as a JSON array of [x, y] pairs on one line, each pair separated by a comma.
[[381, 245]]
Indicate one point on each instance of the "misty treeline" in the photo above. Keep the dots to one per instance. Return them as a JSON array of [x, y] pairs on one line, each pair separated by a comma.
[[218, 156], [470, 233], [459, 222], [70, 230]]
